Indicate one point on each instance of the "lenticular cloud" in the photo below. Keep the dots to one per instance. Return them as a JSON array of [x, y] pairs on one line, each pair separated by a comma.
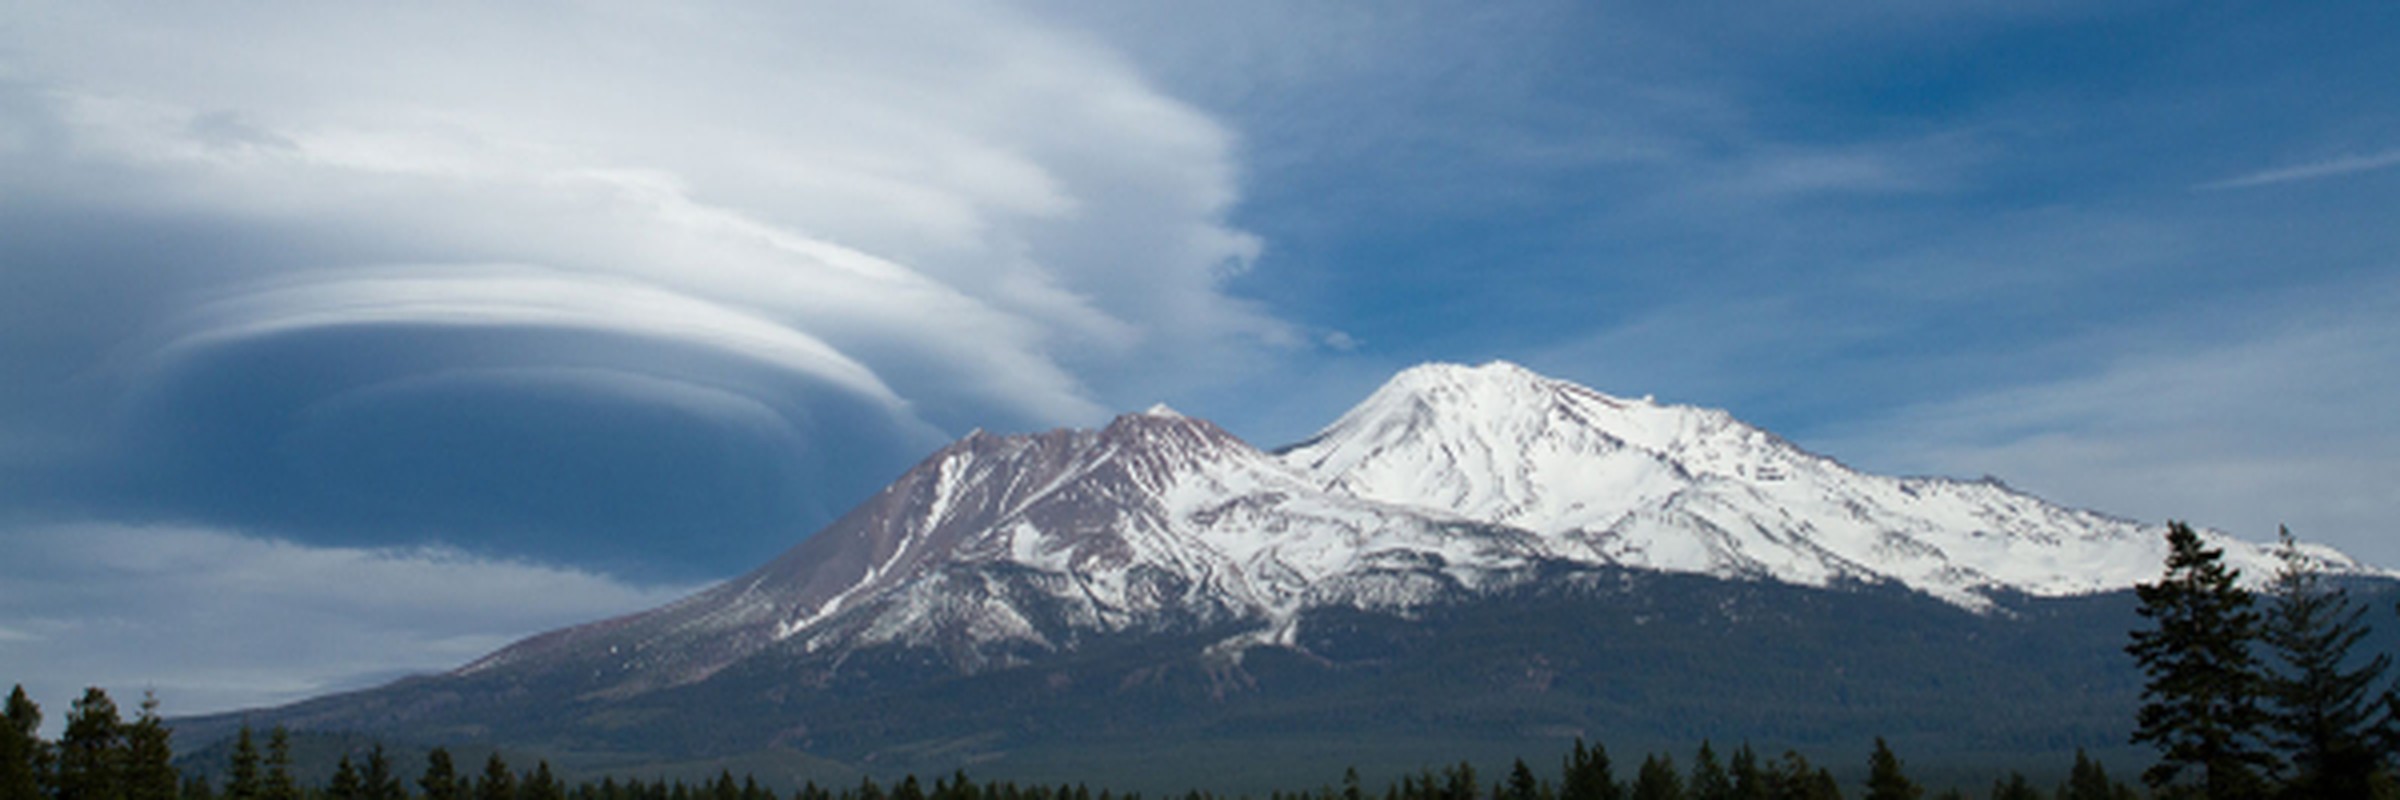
[[881, 225]]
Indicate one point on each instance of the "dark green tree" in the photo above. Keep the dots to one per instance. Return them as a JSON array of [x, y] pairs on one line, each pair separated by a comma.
[[1521, 784], [440, 780], [1886, 780], [497, 782], [2088, 781], [1657, 779], [241, 780], [2201, 702], [541, 785], [1750, 781], [376, 780], [150, 755], [345, 784], [1709, 779], [91, 751], [1458, 783], [1589, 776], [279, 784], [2015, 787], [1796, 779], [2328, 715], [24, 757]]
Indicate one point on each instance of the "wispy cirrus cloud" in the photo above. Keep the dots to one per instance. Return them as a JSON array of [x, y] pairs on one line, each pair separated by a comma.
[[2318, 170], [2287, 426]]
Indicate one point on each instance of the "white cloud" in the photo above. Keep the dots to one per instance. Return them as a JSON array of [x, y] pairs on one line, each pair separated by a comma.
[[969, 207], [2289, 426], [2329, 168], [215, 620], [503, 296]]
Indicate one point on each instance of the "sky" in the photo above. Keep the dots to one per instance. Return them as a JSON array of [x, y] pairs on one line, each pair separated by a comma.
[[345, 341]]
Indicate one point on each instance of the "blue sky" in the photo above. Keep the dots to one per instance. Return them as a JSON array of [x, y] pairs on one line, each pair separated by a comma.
[[406, 331]]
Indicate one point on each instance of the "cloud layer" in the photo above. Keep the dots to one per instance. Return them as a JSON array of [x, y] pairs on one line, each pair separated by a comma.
[[214, 620], [2288, 426], [862, 229]]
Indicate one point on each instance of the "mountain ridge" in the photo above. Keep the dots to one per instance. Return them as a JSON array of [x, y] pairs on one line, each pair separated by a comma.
[[1065, 592], [1448, 479]]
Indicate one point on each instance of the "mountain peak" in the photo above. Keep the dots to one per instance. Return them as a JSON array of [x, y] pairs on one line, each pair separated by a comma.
[[1688, 489], [1490, 375]]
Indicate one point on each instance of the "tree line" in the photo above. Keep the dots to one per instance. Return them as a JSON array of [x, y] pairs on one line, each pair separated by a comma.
[[2243, 703], [103, 758]]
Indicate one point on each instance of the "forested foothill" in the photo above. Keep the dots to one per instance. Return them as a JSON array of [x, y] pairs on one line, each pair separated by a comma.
[[2248, 696]]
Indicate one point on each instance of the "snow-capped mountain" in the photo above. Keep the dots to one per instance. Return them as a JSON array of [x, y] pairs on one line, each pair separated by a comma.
[[1001, 548], [1474, 556], [1685, 489], [1447, 482]]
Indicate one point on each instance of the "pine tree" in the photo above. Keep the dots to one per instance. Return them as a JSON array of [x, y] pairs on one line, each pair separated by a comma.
[[2200, 705], [91, 751], [150, 755], [1521, 783], [1750, 782], [242, 781], [279, 784], [24, 758], [1709, 780], [376, 779], [2015, 787], [440, 781], [345, 784], [1885, 779], [2327, 716], [1589, 776], [541, 785], [497, 782], [1458, 783], [1796, 779], [2086, 781], [1657, 779]]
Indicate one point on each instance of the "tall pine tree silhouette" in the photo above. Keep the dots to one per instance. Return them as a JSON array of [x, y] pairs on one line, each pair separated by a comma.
[[441, 781], [150, 756], [2327, 715], [241, 778], [2200, 704], [1886, 779], [24, 757], [1589, 776], [279, 784], [91, 752]]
